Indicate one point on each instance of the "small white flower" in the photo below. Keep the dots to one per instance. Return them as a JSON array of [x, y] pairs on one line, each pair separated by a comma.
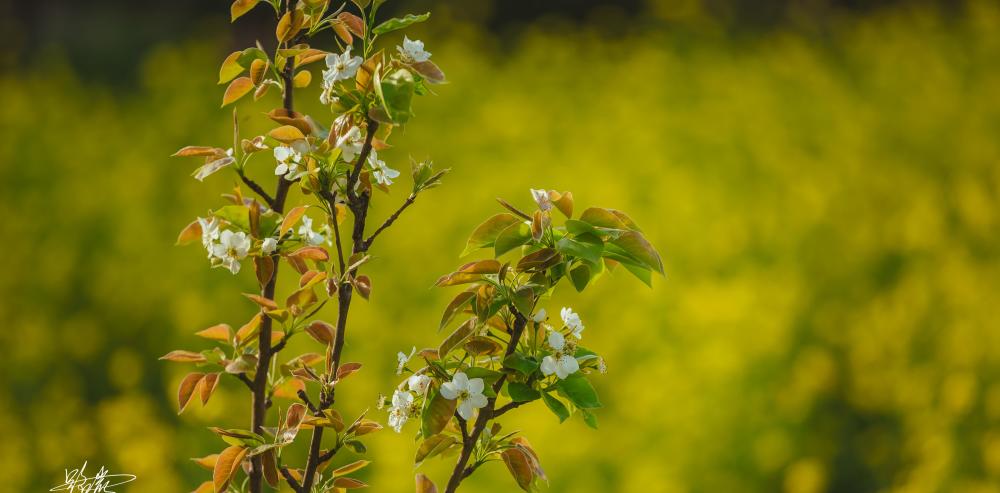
[[602, 367], [560, 363], [542, 199], [419, 383], [340, 67], [380, 403], [231, 248], [350, 144], [413, 50], [403, 358], [468, 392], [308, 235], [269, 245], [572, 320], [288, 162], [539, 316], [382, 173], [209, 233], [402, 407]]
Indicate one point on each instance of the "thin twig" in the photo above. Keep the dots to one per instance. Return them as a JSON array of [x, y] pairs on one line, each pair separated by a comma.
[[391, 219], [259, 190], [508, 407], [243, 378], [291, 479]]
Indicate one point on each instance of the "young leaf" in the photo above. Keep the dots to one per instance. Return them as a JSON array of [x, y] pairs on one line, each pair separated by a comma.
[[519, 465], [432, 446], [230, 67], [579, 391], [424, 484], [181, 356], [521, 363], [522, 392], [397, 23], [236, 90], [511, 237], [456, 306], [186, 389], [457, 337], [208, 385], [437, 413], [636, 245], [486, 233], [557, 408], [229, 461], [396, 94], [241, 7]]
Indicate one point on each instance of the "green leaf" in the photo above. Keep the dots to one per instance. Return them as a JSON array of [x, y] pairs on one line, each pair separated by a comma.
[[603, 218], [397, 23], [642, 273], [432, 446], [486, 374], [436, 414], [512, 237], [521, 363], [356, 446], [486, 233], [396, 93], [522, 392], [636, 245], [523, 299], [580, 275], [557, 408], [237, 215], [585, 246], [589, 418], [579, 391]]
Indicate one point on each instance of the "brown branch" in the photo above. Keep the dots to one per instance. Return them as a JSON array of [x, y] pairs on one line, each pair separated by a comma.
[[391, 219], [510, 406], [259, 190], [291, 479], [487, 413], [246, 380], [366, 149]]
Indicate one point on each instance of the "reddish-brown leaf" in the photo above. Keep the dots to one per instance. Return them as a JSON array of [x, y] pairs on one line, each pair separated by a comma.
[[186, 389]]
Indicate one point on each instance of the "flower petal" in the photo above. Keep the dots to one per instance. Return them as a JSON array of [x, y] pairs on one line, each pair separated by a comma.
[[476, 386], [449, 391], [465, 410]]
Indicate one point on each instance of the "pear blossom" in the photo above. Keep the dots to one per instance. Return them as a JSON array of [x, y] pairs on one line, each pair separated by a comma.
[[288, 162], [468, 392], [560, 361], [209, 233], [350, 144], [340, 67], [539, 316], [413, 50], [403, 358], [308, 235], [572, 320], [419, 383], [382, 173], [231, 248], [269, 245], [402, 408], [542, 199]]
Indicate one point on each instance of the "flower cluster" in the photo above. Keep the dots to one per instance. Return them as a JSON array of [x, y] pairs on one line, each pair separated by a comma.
[[225, 248]]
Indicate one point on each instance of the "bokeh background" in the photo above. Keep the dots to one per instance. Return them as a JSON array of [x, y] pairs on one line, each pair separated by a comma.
[[822, 179]]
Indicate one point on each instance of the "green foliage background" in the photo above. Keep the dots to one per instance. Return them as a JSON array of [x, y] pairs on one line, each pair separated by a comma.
[[827, 207]]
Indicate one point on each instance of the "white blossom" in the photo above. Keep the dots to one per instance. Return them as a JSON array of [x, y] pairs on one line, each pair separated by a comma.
[[311, 237], [402, 408], [413, 50], [382, 173], [559, 362], [231, 248], [542, 199], [403, 358], [342, 66], [572, 320], [288, 162], [350, 144], [209, 234], [468, 392], [269, 245], [539, 316], [419, 383]]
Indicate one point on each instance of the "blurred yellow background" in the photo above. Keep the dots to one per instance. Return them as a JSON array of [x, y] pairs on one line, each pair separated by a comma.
[[827, 205]]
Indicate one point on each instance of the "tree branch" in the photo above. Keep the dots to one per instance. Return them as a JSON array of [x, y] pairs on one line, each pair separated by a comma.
[[259, 190], [366, 149], [391, 219], [510, 406], [291, 479]]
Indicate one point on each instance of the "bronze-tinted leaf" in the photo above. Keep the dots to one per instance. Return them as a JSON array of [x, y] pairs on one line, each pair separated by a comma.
[[519, 466], [425, 485], [636, 245], [364, 286], [208, 385], [347, 369], [311, 253], [429, 71], [190, 234], [349, 483], [293, 418], [294, 118], [342, 31], [539, 260], [241, 7], [432, 446], [258, 68], [563, 202], [602, 218], [264, 269], [220, 332], [349, 468], [437, 415], [354, 23], [481, 346], [323, 332], [291, 218], [181, 356], [229, 461], [270, 465], [286, 134], [289, 25], [265, 303], [199, 151], [249, 330], [230, 67], [236, 90], [456, 306], [486, 233], [457, 337], [366, 426], [208, 462], [186, 389], [302, 79]]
